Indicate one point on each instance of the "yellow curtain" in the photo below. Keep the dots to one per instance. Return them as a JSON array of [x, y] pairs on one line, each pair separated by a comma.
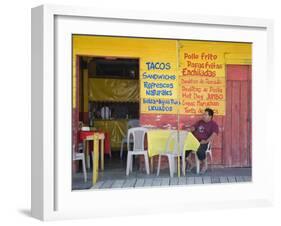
[[119, 90]]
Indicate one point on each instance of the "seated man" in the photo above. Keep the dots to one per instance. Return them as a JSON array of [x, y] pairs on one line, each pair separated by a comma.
[[204, 130]]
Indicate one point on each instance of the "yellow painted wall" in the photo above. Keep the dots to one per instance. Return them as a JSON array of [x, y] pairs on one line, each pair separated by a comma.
[[169, 54]]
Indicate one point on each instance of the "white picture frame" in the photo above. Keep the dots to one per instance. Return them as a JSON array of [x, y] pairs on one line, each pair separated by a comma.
[[52, 197]]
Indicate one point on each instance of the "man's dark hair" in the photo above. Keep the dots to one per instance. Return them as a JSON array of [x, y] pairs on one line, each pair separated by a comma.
[[210, 112]]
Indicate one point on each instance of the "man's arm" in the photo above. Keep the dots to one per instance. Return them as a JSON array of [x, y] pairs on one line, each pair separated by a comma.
[[209, 140], [191, 129]]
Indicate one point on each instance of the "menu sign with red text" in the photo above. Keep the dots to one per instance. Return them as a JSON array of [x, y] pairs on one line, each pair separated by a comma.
[[202, 78]]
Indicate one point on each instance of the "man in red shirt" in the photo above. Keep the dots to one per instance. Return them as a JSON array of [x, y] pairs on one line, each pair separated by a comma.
[[204, 130]]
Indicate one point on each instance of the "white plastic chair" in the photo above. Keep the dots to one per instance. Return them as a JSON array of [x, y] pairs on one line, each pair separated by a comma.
[[131, 124], [81, 148], [77, 156], [209, 151], [197, 161], [177, 151], [138, 135]]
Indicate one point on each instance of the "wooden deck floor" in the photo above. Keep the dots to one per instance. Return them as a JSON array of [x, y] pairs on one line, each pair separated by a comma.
[[116, 178], [166, 181]]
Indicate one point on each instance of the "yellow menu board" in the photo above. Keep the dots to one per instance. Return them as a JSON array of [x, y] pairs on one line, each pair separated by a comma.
[[202, 77], [159, 77], [159, 85]]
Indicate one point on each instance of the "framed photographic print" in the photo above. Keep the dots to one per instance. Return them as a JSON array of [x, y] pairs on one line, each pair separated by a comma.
[[136, 113]]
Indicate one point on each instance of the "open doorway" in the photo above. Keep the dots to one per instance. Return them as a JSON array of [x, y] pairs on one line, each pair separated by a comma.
[[108, 102]]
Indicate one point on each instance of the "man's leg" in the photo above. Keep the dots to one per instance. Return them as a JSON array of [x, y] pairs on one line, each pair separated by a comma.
[[201, 154], [190, 165]]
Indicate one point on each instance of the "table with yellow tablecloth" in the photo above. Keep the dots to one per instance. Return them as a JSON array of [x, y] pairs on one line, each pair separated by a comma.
[[157, 139]]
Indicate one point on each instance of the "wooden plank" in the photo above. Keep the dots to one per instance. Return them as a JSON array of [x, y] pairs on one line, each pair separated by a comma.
[[107, 184], [244, 127], [223, 180], [239, 179], [198, 180], [250, 115], [98, 185], [231, 179], [148, 182], [174, 181], [207, 180], [247, 178], [235, 124], [190, 180], [129, 183], [215, 180], [139, 182], [165, 182], [156, 181], [182, 181], [227, 143], [118, 183]]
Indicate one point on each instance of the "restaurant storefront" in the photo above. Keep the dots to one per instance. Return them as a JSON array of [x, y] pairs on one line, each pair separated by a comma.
[[164, 84]]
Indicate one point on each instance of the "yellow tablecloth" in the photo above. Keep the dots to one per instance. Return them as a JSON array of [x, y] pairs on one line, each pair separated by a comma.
[[157, 140]]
